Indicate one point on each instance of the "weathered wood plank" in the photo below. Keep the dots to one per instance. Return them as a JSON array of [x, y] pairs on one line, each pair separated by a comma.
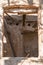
[[20, 7], [21, 12]]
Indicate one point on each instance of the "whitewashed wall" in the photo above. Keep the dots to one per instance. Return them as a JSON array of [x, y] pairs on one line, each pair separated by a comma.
[[20, 1], [1, 21], [41, 31]]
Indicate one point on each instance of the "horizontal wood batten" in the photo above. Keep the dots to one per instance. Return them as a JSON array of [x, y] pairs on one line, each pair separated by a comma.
[[20, 7]]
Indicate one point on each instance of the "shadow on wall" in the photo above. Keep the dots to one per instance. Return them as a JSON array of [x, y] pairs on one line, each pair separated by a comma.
[[41, 1], [30, 1]]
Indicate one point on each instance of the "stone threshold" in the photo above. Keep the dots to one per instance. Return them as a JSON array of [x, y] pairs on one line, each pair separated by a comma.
[[31, 59], [21, 61]]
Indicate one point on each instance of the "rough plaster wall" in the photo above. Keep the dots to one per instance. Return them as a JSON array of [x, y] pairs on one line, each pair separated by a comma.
[[21, 2], [1, 22], [25, 2], [41, 31]]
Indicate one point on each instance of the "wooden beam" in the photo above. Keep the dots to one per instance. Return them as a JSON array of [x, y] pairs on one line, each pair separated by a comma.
[[24, 17], [20, 7], [34, 12], [28, 28], [10, 17]]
